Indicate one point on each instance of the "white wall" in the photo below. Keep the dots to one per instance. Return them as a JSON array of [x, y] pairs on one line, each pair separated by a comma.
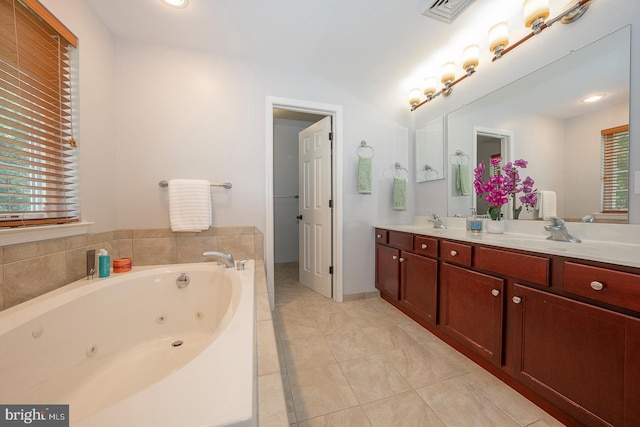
[[285, 184], [582, 153], [603, 18], [95, 109]]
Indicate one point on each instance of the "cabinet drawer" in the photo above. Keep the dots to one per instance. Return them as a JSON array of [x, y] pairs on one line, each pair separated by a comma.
[[381, 236], [601, 284], [426, 246], [530, 268], [456, 252], [400, 240]]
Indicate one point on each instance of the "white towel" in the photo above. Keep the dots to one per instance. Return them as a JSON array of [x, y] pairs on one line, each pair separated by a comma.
[[546, 204], [189, 204]]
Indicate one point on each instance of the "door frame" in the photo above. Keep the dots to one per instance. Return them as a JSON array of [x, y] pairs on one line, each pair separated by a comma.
[[335, 111]]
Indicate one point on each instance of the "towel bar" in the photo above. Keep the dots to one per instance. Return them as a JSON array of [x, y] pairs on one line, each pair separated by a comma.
[[226, 185]]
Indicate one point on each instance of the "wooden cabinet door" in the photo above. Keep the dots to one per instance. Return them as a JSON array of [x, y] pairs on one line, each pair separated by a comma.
[[471, 307], [419, 285], [572, 354], [388, 271]]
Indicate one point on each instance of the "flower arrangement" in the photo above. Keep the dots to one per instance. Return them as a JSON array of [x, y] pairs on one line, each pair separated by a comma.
[[504, 184]]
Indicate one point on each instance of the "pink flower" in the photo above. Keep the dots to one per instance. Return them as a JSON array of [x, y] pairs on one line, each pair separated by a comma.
[[505, 184]]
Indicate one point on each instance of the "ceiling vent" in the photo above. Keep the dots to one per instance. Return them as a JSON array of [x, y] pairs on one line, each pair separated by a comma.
[[445, 10]]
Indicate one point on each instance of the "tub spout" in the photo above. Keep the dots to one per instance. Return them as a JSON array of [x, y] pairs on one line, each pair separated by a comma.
[[223, 258]]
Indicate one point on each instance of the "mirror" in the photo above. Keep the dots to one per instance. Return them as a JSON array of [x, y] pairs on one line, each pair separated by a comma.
[[551, 128], [430, 151]]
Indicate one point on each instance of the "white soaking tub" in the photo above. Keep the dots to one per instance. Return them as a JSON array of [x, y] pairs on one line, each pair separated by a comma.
[[136, 350]]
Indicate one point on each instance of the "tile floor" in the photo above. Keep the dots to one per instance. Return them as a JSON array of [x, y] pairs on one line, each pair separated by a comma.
[[364, 363]]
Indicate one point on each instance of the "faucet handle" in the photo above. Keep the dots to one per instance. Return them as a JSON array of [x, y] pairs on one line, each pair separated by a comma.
[[556, 221]]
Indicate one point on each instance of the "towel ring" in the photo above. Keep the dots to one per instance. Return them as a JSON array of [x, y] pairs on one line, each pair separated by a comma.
[[460, 158], [397, 173], [363, 146], [428, 173]]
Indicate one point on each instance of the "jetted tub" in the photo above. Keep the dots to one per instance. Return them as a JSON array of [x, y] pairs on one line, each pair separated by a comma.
[[136, 350]]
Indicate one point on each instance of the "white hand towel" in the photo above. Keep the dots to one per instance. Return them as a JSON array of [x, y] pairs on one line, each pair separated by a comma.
[[546, 204], [189, 204]]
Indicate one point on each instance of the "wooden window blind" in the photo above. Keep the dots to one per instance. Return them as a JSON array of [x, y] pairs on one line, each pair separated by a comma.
[[615, 170], [38, 163]]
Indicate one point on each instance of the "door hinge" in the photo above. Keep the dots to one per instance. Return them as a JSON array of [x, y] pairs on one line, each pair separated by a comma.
[[331, 269], [330, 136], [330, 203]]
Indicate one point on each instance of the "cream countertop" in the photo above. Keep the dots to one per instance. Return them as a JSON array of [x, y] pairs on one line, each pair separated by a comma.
[[610, 243]]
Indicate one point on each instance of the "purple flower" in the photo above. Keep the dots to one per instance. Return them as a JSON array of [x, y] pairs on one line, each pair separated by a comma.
[[505, 184]]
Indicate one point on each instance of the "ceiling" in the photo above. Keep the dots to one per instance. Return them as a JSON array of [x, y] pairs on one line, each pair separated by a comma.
[[382, 40]]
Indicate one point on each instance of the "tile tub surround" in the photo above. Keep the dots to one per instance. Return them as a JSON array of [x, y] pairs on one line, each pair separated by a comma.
[[28, 270]]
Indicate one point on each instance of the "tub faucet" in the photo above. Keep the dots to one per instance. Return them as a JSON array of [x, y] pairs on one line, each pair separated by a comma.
[[559, 232], [223, 258], [437, 222]]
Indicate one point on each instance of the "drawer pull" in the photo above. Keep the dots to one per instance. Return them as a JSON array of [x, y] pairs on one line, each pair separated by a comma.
[[597, 286], [379, 236], [425, 246], [454, 253], [394, 257], [495, 292], [401, 260], [516, 300]]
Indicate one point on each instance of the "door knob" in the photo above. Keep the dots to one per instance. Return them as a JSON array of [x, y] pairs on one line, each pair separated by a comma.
[[299, 217], [495, 292]]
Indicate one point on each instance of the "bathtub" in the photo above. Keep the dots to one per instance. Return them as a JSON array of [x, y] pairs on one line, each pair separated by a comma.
[[136, 350]]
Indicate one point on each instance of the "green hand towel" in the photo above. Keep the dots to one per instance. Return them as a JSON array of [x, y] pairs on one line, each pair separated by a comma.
[[364, 175], [399, 194], [463, 182]]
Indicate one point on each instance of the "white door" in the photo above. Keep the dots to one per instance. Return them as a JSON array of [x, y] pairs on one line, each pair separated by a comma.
[[314, 180]]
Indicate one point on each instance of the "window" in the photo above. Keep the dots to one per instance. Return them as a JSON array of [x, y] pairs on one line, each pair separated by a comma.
[[38, 164], [615, 170]]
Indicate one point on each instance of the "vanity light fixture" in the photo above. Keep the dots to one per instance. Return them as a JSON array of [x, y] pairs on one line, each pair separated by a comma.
[[536, 13], [176, 3]]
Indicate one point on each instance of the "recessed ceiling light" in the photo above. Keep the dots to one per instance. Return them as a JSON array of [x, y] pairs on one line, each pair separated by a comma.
[[176, 3], [593, 98]]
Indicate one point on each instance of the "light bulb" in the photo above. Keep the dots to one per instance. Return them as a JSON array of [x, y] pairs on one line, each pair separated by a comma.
[[429, 86], [414, 97], [535, 10], [470, 57], [498, 36], [448, 73]]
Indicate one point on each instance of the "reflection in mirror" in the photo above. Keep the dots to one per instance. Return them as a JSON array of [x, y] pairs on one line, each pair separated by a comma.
[[430, 151], [551, 128], [489, 144]]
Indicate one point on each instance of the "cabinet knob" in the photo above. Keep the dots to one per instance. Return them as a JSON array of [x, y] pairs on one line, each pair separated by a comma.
[[495, 292], [425, 246], [454, 253], [516, 300], [378, 236], [394, 257], [401, 260], [597, 286]]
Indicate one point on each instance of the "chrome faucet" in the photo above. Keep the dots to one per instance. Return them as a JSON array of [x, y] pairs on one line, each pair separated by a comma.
[[559, 231], [437, 222], [224, 259]]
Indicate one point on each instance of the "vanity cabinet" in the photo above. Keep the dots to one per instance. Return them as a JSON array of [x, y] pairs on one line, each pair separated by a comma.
[[408, 276], [564, 332], [388, 271], [419, 286], [582, 358], [471, 305]]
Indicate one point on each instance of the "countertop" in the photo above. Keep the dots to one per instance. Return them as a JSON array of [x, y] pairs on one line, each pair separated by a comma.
[[527, 237]]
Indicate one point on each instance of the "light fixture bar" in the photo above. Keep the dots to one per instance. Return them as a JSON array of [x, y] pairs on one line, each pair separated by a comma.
[[445, 91]]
